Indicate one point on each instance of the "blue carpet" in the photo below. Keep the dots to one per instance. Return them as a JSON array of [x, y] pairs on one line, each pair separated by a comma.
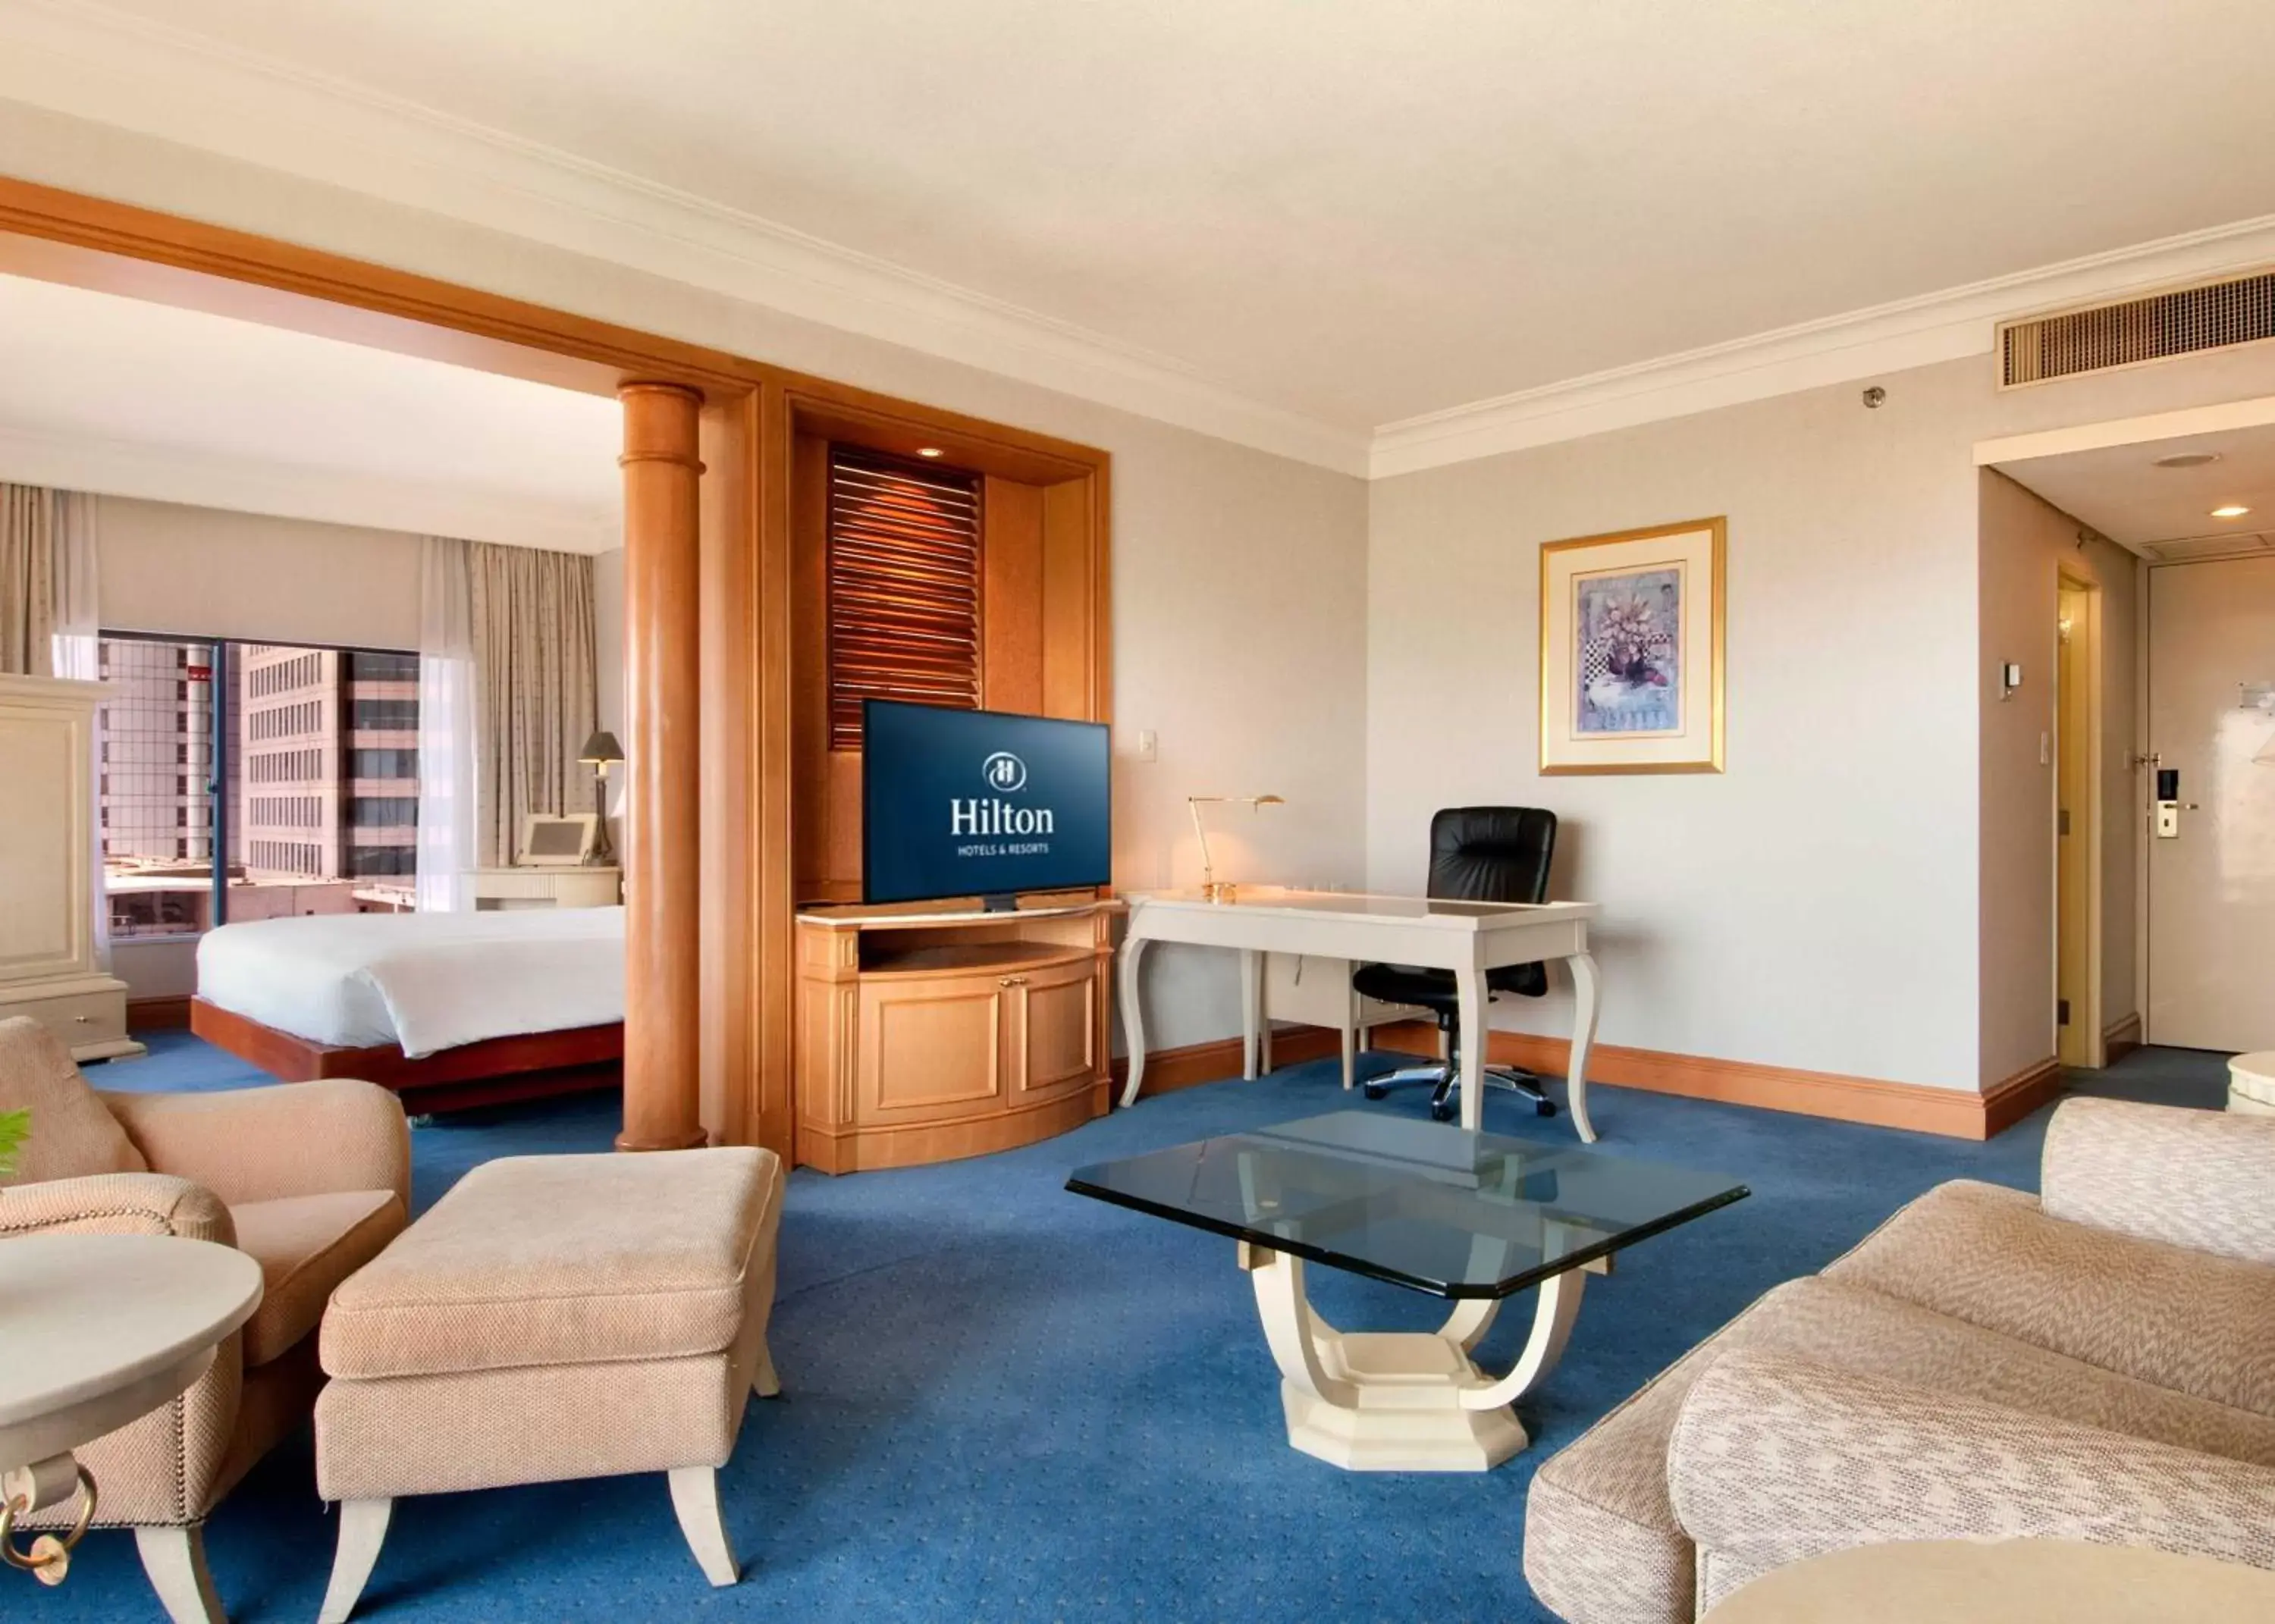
[[1007, 1402]]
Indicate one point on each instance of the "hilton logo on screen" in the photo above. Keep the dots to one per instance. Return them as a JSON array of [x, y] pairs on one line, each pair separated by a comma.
[[975, 816]]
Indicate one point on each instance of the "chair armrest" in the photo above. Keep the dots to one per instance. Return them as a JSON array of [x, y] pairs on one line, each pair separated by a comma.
[[2199, 1179], [263, 1143], [116, 1204], [1775, 1459]]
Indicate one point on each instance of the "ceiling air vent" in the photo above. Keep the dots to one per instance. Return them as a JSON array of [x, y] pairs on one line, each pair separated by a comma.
[[2197, 549], [2215, 315]]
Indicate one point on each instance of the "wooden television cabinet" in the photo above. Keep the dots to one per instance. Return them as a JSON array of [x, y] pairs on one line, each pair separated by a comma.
[[936, 1030]]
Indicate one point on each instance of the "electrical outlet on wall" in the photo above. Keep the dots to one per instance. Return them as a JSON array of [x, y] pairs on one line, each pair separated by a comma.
[[1149, 745]]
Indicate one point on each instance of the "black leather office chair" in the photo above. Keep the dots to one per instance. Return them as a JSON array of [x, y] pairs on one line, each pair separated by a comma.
[[1480, 854]]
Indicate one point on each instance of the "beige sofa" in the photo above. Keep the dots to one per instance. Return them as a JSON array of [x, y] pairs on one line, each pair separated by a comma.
[[2094, 1363], [311, 1179]]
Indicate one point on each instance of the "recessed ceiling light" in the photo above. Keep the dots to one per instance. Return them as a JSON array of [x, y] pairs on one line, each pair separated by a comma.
[[930, 451], [2188, 459], [2234, 510]]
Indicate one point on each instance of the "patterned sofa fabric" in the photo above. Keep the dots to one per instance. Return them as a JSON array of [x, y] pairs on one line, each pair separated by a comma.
[[2185, 1320], [1776, 1459], [1976, 1294], [2194, 1179]]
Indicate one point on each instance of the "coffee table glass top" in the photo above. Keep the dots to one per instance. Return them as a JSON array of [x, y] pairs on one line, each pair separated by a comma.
[[1425, 1204]]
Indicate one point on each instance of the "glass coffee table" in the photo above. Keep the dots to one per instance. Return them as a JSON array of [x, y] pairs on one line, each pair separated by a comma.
[[1473, 1217]]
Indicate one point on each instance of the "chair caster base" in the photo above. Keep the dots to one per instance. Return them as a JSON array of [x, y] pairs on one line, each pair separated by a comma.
[[1375, 1092], [1544, 1107], [1442, 1113]]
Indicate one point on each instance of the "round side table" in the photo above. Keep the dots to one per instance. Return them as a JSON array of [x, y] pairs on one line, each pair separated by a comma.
[[99, 1330], [2251, 1083], [2013, 1581]]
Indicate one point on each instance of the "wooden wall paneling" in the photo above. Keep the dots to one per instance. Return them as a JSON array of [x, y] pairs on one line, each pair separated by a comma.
[[728, 567], [66, 237], [771, 1118], [808, 500], [1072, 559], [1012, 617], [664, 769], [834, 411]]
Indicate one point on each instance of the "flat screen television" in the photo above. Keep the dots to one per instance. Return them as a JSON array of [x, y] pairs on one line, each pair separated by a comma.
[[982, 803]]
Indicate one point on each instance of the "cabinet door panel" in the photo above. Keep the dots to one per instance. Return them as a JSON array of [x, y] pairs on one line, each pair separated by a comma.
[[930, 1045], [1057, 1028]]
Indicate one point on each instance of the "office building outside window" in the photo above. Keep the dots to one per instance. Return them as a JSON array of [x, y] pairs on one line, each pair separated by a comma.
[[323, 782]]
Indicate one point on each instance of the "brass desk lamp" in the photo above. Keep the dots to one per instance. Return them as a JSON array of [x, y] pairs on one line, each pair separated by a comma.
[[1211, 890], [600, 753]]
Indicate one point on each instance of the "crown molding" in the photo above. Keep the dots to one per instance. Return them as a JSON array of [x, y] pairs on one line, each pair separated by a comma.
[[1921, 331], [86, 61], [83, 60], [202, 479]]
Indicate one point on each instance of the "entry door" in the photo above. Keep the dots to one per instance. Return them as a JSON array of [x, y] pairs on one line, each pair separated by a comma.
[[2211, 884]]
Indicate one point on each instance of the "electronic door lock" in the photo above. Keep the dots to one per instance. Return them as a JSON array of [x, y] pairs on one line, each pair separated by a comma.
[[2169, 804]]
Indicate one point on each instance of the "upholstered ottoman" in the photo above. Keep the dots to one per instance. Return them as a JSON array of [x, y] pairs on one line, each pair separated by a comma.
[[552, 1317], [2251, 1083]]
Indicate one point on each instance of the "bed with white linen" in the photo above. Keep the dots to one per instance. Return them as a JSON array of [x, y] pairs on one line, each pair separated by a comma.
[[474, 1003]]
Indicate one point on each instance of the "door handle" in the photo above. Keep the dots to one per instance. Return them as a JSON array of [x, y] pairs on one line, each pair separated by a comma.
[[1012, 981]]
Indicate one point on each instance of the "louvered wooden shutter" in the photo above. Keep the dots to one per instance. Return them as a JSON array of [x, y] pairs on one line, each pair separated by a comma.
[[903, 587]]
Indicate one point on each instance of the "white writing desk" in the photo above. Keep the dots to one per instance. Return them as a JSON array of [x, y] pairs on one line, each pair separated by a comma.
[[1466, 938]]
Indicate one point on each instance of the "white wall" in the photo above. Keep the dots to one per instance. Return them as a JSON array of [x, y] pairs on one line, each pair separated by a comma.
[[1820, 905], [1813, 906], [207, 573], [1239, 621]]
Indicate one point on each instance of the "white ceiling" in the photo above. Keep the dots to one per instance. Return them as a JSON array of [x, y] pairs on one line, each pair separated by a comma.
[[1350, 213], [2120, 492], [115, 396]]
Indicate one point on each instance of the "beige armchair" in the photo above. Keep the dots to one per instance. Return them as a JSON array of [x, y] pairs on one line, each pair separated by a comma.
[[2089, 1363], [311, 1178]]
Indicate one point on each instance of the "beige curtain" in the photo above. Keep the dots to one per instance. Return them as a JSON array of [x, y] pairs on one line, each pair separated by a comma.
[[30, 518], [534, 695]]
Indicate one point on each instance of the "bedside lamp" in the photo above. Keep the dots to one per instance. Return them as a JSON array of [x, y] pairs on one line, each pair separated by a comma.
[[1211, 891], [600, 753]]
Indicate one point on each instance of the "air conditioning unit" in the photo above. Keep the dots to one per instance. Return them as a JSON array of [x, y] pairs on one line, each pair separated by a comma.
[[2155, 327]]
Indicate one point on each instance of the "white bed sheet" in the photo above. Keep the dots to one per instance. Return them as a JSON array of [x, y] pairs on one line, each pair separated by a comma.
[[424, 981]]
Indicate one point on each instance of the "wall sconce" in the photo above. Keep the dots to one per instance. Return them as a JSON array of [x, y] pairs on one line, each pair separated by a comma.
[[1211, 891]]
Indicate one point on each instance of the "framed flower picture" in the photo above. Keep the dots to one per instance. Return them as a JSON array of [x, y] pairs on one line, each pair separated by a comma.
[[1631, 651]]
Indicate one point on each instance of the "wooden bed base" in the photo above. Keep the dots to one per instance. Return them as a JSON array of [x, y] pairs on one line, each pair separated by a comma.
[[493, 1072]]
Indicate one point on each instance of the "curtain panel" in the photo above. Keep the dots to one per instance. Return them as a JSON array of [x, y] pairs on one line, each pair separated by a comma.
[[447, 726], [30, 520], [535, 686]]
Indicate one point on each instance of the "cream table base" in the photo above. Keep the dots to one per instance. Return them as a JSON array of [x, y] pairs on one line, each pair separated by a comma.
[[1403, 1402], [2251, 1084]]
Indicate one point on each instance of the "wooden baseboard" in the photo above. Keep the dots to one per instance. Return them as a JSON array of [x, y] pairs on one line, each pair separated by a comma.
[[158, 1015], [1956, 1113], [2119, 1038], [1167, 1071], [2011, 1098]]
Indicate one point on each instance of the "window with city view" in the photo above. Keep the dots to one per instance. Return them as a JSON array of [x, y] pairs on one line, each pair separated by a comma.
[[320, 767]]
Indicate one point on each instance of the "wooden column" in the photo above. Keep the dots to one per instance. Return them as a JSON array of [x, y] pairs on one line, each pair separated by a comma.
[[663, 714]]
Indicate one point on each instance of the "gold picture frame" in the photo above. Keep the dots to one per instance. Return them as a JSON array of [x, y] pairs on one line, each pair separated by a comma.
[[1631, 650]]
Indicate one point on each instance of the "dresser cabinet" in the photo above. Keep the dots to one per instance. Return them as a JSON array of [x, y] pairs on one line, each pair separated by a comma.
[[927, 1035], [48, 966]]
